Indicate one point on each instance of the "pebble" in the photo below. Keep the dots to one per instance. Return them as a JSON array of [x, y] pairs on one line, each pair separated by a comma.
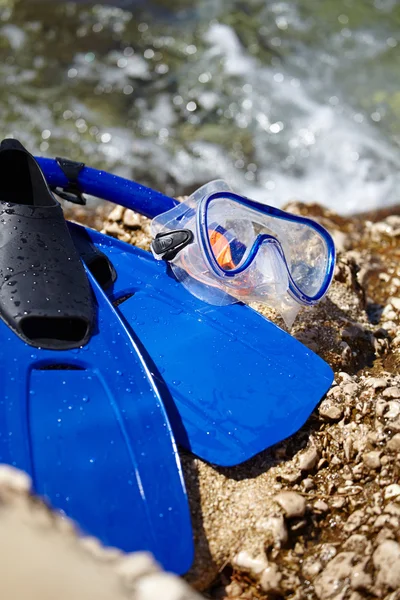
[[394, 425], [334, 579], [394, 443], [386, 559], [391, 392], [308, 484], [270, 580], [376, 383], [292, 476], [131, 219], [372, 460], [275, 527], [244, 561], [393, 409], [233, 589], [308, 459], [392, 491], [116, 213], [330, 411], [292, 503], [117, 231], [360, 580], [350, 389], [321, 506], [357, 543], [393, 509], [395, 302], [311, 567], [355, 520]]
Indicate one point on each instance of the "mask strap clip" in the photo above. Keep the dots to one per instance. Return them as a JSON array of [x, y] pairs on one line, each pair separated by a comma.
[[166, 246]]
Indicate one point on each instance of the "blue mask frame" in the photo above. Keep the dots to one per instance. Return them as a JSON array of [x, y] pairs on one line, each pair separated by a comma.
[[294, 290]]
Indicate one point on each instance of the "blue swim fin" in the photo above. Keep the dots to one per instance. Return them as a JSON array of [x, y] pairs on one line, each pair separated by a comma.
[[89, 427], [237, 383], [79, 409]]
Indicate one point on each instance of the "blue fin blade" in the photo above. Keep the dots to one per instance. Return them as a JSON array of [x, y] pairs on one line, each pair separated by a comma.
[[90, 428], [237, 383]]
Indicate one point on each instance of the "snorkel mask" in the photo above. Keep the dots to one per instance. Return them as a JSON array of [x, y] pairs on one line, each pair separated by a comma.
[[226, 248]]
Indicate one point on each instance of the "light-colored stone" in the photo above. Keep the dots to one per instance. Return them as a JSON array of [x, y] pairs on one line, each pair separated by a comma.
[[355, 520], [386, 559], [271, 578], [372, 459], [245, 562], [131, 219], [274, 529], [393, 409], [394, 443], [335, 578], [42, 559], [377, 383], [308, 459], [321, 506], [116, 213], [311, 567], [391, 392], [292, 504], [330, 411], [395, 302], [360, 579], [392, 491]]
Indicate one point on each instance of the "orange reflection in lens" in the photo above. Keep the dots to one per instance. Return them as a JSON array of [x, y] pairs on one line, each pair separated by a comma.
[[221, 250]]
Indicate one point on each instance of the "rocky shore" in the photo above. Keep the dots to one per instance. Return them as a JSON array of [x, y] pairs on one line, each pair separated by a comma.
[[317, 516]]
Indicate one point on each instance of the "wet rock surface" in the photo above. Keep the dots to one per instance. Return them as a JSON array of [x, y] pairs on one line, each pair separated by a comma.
[[317, 516]]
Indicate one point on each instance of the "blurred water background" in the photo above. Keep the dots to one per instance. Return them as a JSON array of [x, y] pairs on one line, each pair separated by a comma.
[[298, 99]]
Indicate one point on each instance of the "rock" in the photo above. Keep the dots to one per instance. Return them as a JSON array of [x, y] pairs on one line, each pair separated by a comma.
[[116, 213], [292, 503], [308, 484], [393, 509], [372, 459], [311, 567], [330, 411], [131, 219], [335, 578], [377, 383], [234, 589], [391, 392], [350, 389], [270, 579], [357, 543], [394, 424], [275, 528], [360, 580], [394, 443], [393, 409], [117, 231], [355, 520], [321, 506], [386, 559], [308, 459], [395, 302], [380, 407], [291, 476], [392, 491], [255, 565], [42, 558]]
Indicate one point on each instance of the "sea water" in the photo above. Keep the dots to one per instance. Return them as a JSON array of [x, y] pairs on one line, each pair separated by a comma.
[[284, 100]]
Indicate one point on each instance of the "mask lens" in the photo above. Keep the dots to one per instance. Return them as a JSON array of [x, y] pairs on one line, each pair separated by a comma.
[[230, 233], [307, 257]]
